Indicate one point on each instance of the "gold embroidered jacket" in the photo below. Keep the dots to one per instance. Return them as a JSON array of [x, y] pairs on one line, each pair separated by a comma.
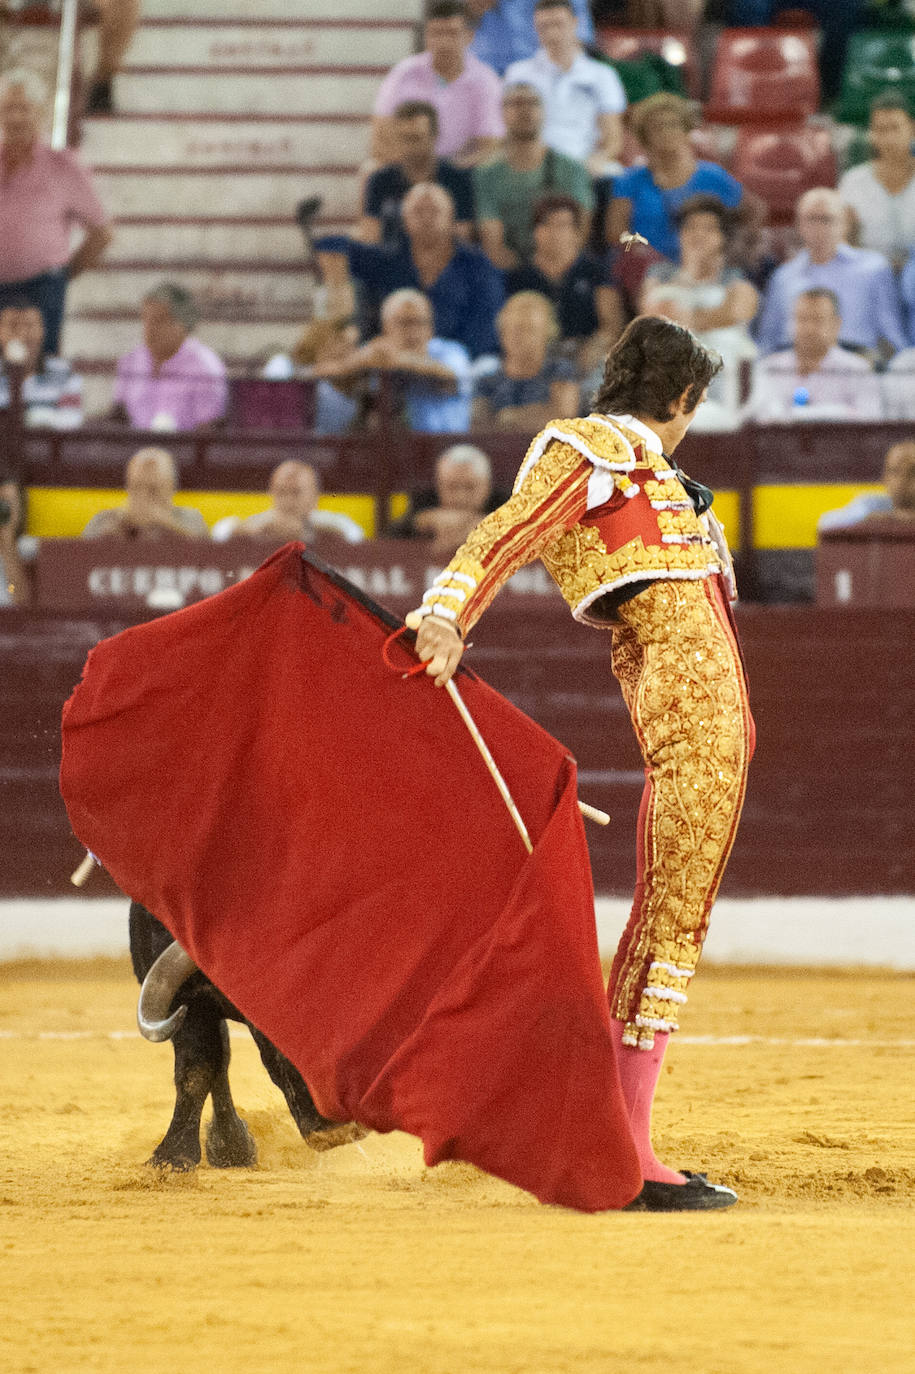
[[596, 500]]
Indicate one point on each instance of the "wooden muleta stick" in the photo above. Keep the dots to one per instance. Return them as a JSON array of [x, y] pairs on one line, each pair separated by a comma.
[[592, 813], [80, 875], [490, 762]]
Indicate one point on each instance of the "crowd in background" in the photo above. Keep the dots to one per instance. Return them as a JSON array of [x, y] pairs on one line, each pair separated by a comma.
[[516, 213]]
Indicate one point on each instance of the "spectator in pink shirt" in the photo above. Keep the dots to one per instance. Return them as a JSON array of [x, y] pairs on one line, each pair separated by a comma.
[[44, 192], [466, 93], [172, 381]]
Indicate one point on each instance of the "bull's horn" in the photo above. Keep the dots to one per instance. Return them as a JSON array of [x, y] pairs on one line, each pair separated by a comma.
[[161, 983]]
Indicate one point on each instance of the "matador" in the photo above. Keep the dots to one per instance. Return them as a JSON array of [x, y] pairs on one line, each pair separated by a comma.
[[633, 546]]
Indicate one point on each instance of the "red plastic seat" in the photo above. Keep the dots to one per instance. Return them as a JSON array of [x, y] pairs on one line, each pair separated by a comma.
[[779, 165], [764, 76], [674, 45]]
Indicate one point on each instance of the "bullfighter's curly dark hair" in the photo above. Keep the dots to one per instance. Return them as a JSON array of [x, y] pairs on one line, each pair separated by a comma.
[[650, 366]]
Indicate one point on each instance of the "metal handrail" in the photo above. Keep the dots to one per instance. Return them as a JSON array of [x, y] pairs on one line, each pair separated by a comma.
[[66, 56]]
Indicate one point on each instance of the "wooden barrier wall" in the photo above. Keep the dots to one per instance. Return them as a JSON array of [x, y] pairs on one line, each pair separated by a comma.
[[829, 806], [772, 481]]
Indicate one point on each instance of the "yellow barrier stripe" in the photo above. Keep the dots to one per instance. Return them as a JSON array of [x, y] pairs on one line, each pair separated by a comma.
[[64, 512], [785, 516]]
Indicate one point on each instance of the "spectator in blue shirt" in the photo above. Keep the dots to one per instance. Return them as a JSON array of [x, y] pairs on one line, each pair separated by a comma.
[[504, 30], [428, 379], [414, 131], [863, 282], [532, 386], [645, 200], [897, 500], [465, 290]]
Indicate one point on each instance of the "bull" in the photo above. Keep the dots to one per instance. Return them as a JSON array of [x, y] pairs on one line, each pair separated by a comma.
[[196, 1025]]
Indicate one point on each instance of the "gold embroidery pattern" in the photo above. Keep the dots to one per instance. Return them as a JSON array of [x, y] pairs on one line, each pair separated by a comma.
[[581, 566], [458, 583], [666, 489], [541, 518], [681, 677], [614, 446], [683, 524], [529, 519]]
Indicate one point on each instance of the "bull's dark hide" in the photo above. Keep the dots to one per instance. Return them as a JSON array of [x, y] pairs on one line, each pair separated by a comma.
[[201, 1046]]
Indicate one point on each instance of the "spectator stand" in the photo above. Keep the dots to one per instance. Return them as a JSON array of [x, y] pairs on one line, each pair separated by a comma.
[[771, 483], [878, 60], [780, 164], [764, 76], [675, 47]]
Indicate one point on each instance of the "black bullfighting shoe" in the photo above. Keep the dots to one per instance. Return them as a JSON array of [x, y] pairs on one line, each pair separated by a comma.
[[695, 1195]]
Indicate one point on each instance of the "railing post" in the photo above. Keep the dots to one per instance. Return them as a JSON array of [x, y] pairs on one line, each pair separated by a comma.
[[15, 417], [66, 57]]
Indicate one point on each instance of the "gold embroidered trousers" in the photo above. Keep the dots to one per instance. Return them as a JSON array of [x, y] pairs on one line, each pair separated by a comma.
[[676, 658]]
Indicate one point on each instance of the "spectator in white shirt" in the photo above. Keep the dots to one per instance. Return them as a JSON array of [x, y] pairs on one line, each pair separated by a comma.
[[898, 382], [881, 193], [815, 380], [583, 99]]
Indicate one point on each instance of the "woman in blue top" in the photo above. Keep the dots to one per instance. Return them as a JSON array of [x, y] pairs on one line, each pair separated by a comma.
[[645, 200]]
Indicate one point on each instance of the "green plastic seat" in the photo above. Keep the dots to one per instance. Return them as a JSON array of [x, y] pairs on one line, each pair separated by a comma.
[[877, 60]]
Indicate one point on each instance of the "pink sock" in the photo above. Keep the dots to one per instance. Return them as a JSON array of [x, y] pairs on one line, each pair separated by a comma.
[[639, 1071]]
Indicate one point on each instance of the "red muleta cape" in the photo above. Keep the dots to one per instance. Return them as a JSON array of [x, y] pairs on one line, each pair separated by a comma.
[[322, 837]]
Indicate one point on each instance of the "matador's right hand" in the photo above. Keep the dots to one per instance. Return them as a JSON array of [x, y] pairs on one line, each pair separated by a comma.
[[440, 644]]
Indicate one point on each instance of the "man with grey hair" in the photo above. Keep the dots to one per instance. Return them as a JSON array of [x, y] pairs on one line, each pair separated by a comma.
[[45, 193], [507, 189], [863, 282], [429, 379], [172, 381], [151, 481], [463, 494]]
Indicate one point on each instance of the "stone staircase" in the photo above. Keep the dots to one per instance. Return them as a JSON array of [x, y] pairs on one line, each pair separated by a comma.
[[229, 113]]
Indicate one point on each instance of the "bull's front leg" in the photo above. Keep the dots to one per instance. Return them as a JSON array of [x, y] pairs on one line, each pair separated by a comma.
[[201, 1069], [229, 1143]]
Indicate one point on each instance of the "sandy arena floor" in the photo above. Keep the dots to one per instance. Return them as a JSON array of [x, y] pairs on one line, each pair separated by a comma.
[[795, 1088]]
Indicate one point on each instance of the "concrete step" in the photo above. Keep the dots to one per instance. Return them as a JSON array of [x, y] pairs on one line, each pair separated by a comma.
[[220, 292], [234, 193], [198, 142], [216, 240], [102, 339], [267, 10], [308, 43], [308, 91]]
